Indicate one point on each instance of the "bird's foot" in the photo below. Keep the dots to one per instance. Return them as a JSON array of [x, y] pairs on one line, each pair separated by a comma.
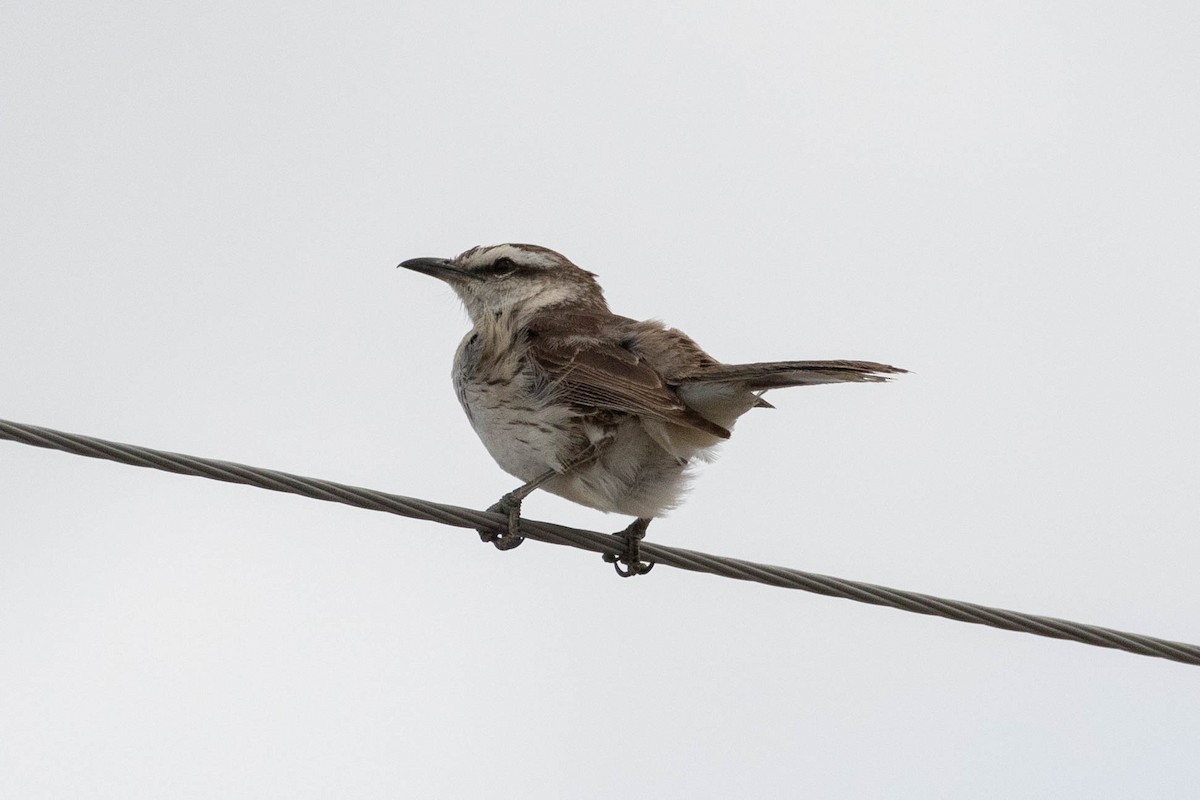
[[629, 563], [510, 504]]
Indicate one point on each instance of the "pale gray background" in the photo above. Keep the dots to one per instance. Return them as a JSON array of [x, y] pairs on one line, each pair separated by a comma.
[[202, 206]]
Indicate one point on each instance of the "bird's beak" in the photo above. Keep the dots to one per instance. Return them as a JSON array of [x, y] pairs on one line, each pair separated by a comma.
[[442, 268]]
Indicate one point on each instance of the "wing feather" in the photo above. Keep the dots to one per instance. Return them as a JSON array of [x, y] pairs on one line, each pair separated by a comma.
[[591, 370]]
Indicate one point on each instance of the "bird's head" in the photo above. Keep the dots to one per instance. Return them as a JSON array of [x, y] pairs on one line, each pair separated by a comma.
[[513, 278]]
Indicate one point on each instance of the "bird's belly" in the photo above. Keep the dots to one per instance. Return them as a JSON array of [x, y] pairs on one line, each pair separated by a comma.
[[631, 474], [627, 471], [525, 439]]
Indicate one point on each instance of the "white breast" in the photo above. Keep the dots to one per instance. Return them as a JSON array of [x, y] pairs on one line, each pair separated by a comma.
[[525, 440]]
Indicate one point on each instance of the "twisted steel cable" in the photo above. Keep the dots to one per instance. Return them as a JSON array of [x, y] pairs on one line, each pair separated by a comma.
[[601, 542]]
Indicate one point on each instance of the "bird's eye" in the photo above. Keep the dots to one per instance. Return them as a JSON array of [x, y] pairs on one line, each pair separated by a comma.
[[503, 266]]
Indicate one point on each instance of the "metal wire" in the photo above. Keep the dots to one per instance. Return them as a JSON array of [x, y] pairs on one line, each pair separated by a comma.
[[601, 542]]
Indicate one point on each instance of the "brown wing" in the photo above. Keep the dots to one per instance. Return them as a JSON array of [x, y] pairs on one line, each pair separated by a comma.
[[583, 358]]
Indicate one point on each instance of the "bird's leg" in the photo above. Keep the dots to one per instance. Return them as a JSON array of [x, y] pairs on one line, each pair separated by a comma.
[[632, 557], [510, 504]]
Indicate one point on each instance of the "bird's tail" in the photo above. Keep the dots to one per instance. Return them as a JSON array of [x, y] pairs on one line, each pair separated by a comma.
[[778, 374]]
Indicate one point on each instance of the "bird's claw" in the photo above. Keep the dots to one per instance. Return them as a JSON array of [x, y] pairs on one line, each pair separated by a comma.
[[629, 563], [508, 539]]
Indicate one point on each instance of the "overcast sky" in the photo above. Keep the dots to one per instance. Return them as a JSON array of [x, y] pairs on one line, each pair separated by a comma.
[[201, 210]]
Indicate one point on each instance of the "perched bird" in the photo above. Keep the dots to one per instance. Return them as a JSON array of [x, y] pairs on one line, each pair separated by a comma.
[[603, 410]]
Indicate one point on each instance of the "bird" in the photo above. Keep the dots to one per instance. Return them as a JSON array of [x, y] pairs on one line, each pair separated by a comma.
[[607, 411]]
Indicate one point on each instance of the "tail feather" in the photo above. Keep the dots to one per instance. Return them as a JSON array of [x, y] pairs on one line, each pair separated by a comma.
[[779, 374]]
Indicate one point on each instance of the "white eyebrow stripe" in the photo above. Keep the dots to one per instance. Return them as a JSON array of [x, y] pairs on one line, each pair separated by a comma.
[[478, 256]]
